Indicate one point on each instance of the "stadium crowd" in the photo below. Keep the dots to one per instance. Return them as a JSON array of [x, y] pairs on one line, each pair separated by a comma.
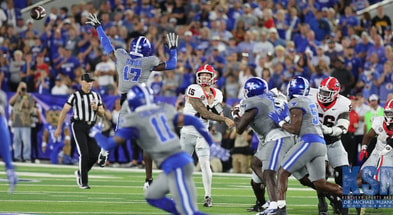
[[273, 39]]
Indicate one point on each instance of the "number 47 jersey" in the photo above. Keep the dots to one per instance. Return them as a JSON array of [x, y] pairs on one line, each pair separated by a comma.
[[133, 70]]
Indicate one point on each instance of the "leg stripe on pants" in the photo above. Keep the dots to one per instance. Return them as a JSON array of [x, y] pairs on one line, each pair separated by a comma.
[[296, 156], [276, 152], [184, 195]]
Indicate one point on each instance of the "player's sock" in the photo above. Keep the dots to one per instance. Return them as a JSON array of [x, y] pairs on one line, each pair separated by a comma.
[[5, 144], [258, 191], [206, 174], [281, 203], [165, 204], [273, 205]]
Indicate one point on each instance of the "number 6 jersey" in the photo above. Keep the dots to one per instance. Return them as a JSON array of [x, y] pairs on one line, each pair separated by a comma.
[[133, 70], [196, 91]]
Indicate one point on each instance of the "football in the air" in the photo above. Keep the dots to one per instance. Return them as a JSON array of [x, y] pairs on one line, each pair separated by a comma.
[[38, 12]]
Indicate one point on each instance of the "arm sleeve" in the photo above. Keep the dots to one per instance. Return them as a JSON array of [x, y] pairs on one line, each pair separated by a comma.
[[198, 125], [172, 61], [107, 143], [105, 41]]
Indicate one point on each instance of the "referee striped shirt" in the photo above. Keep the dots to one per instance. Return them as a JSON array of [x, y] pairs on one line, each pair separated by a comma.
[[81, 103]]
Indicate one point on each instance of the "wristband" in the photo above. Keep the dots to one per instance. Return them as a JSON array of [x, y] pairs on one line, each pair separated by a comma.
[[364, 147], [281, 123], [43, 144]]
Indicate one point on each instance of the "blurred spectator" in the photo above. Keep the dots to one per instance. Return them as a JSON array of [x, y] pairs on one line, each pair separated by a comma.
[[293, 22], [59, 88], [12, 13], [239, 32], [348, 19], [348, 139], [321, 72], [300, 39], [343, 75], [362, 47], [262, 46], [231, 86], [353, 63], [365, 22], [4, 71], [320, 26], [22, 103], [381, 21], [36, 126], [241, 151], [320, 55], [157, 85], [313, 44], [374, 110], [369, 78], [378, 48], [170, 84], [42, 83], [246, 72], [275, 39], [105, 72], [385, 82], [17, 67], [281, 23]]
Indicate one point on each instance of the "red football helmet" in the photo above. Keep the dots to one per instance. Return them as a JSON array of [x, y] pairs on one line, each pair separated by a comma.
[[388, 112], [206, 69], [328, 90]]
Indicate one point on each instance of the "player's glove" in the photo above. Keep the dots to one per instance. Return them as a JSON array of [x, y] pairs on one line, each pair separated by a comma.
[[103, 157], [236, 112], [326, 130], [97, 128], [363, 153], [147, 184], [172, 40], [93, 20], [275, 116]]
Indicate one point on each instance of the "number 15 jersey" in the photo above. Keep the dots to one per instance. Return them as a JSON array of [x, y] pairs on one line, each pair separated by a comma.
[[133, 70], [196, 91]]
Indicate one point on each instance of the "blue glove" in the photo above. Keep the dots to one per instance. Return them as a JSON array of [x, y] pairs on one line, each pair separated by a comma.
[[97, 128], [283, 111], [276, 118]]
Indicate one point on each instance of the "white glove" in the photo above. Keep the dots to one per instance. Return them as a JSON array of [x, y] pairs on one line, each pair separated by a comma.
[[327, 130], [93, 20], [97, 128], [236, 112], [172, 40]]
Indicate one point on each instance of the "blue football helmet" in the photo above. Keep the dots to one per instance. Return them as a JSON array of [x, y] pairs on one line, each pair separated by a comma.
[[254, 87], [140, 47], [298, 86], [139, 95]]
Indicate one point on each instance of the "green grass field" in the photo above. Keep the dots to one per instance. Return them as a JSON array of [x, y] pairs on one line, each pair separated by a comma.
[[51, 189]]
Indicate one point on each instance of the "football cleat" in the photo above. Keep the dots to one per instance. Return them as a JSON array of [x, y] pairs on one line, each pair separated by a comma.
[[208, 202]]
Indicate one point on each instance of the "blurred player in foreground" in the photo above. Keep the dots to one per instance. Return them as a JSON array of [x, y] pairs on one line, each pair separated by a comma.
[[5, 144], [154, 126]]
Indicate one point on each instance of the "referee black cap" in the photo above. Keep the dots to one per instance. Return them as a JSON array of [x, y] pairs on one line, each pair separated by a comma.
[[87, 77]]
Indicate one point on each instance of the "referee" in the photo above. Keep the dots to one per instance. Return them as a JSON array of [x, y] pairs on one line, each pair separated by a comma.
[[86, 106]]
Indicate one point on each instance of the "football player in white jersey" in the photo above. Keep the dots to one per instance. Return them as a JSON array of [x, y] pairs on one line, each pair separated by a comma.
[[134, 66], [382, 155], [204, 101], [333, 111]]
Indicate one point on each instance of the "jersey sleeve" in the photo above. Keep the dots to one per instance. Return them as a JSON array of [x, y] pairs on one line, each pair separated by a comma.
[[153, 61], [376, 124], [249, 104], [299, 103], [126, 121], [121, 54], [194, 91]]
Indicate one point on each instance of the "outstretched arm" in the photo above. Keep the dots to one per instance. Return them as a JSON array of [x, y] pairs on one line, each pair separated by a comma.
[[105, 41], [184, 119], [172, 61]]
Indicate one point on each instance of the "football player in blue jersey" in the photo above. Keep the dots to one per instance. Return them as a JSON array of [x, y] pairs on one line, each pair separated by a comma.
[[154, 126], [135, 66]]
